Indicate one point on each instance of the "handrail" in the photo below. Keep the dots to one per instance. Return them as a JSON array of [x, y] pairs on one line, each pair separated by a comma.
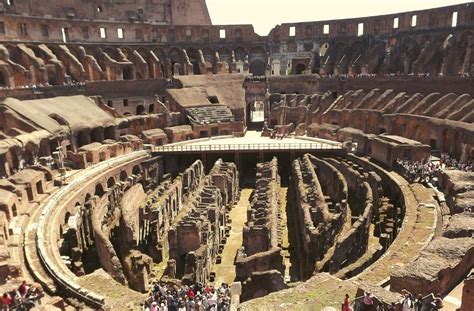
[[42, 243], [256, 147]]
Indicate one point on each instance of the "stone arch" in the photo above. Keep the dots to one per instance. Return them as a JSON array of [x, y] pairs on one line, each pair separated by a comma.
[[123, 176], [151, 108], [258, 53], [99, 190], [161, 55], [177, 57], [44, 147], [323, 49], [240, 53], [83, 138], [136, 170], [87, 198], [109, 132], [195, 60], [4, 80], [225, 55], [463, 48], [110, 182], [127, 51], [299, 69], [30, 153], [97, 135], [209, 54], [140, 109], [146, 55], [112, 53], [128, 73], [14, 53], [257, 67]]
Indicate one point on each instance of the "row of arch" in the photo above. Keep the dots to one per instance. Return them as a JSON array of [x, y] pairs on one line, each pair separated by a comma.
[[443, 53], [27, 64]]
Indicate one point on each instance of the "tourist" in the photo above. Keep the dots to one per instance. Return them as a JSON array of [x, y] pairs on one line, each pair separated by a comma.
[[346, 305], [7, 301], [406, 302], [418, 302], [23, 289], [167, 297], [368, 301]]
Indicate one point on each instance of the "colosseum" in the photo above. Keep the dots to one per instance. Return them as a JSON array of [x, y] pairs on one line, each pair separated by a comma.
[[152, 160]]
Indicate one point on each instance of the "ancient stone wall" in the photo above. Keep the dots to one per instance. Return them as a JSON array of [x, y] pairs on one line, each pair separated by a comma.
[[260, 256], [196, 238], [262, 232], [318, 217]]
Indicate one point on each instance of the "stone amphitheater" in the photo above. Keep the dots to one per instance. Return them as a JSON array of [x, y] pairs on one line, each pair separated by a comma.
[[140, 143]]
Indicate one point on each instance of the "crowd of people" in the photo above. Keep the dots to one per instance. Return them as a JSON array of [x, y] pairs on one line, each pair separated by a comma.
[[25, 297], [170, 297], [408, 302], [40, 85], [427, 170]]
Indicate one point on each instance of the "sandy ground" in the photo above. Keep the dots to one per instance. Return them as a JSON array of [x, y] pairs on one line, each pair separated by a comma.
[[225, 271]]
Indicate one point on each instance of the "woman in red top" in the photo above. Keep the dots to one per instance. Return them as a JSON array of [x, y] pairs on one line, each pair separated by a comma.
[[7, 301], [346, 306]]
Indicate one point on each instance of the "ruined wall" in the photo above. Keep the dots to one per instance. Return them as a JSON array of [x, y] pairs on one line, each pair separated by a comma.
[[183, 12], [317, 216], [196, 239], [262, 233]]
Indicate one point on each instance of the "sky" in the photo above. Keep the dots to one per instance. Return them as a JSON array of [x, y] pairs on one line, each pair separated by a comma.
[[266, 14]]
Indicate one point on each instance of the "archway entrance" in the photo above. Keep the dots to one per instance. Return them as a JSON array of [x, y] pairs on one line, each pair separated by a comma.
[[299, 69], [257, 68], [127, 73], [3, 80], [255, 115]]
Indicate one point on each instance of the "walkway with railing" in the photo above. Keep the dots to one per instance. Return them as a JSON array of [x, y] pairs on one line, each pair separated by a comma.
[[246, 147], [252, 141]]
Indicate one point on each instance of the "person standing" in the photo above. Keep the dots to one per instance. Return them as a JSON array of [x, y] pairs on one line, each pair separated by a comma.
[[406, 302], [346, 305]]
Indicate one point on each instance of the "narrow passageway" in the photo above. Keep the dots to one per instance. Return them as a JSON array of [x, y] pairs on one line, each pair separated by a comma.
[[285, 240], [225, 271]]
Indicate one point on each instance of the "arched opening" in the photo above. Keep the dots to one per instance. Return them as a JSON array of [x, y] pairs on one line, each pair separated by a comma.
[[299, 69], [99, 190], [240, 54], [177, 58], [151, 108], [110, 182], [140, 109], [3, 80], [255, 115], [127, 73], [87, 198], [445, 140], [136, 170], [109, 132], [97, 135], [257, 68], [123, 176], [194, 58], [67, 215], [83, 138]]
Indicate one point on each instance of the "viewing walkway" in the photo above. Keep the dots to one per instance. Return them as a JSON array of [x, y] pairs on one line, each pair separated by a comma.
[[252, 141]]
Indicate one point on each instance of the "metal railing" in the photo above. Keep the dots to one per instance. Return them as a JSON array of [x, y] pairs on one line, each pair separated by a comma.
[[243, 147], [65, 278]]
